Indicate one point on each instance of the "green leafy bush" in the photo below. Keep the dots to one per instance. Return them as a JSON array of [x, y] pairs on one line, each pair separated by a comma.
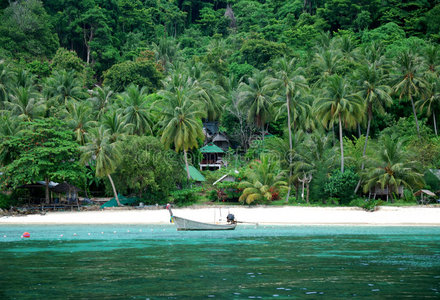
[[5, 201], [342, 185], [228, 191], [185, 196]]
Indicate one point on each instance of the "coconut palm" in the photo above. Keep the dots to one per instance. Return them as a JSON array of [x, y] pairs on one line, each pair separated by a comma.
[[431, 56], [392, 167], [409, 79], [326, 63], [371, 82], [105, 153], [6, 79], [431, 98], [211, 94], [114, 122], [24, 78], [263, 179], [341, 105], [166, 51], [314, 153], [292, 83], [135, 109], [256, 97], [26, 104], [102, 99], [180, 122], [62, 87], [78, 118]]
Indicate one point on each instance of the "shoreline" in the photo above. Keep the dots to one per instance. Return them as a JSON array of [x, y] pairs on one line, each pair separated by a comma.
[[280, 215]]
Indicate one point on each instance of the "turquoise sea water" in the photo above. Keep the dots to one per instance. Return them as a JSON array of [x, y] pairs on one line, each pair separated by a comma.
[[264, 262]]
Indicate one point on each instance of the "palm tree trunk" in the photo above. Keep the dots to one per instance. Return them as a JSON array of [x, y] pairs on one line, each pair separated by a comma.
[[435, 123], [114, 189], [289, 127], [308, 191], [341, 143], [370, 116], [415, 115], [186, 164]]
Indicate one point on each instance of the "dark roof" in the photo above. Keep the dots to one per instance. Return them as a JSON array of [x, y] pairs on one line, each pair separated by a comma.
[[211, 148], [219, 137], [65, 187]]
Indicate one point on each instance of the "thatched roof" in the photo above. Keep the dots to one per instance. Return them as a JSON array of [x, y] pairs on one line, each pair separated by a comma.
[[426, 192]]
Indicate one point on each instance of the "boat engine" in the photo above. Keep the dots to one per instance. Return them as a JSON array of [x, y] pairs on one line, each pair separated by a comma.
[[231, 219]]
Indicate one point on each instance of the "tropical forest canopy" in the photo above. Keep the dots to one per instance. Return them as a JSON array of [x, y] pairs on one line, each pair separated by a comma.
[[324, 93]]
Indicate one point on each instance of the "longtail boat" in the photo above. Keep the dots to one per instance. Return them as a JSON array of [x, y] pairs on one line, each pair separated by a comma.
[[186, 224]]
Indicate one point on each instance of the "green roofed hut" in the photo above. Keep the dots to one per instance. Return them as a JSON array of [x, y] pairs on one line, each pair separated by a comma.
[[212, 157], [195, 174]]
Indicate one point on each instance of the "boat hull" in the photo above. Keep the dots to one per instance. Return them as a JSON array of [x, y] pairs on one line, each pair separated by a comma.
[[187, 225]]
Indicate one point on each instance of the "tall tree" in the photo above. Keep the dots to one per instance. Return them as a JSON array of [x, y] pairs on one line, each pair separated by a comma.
[[409, 79], [431, 98], [135, 109], [372, 84], [339, 105], [43, 150], [26, 103], [180, 121], [256, 96], [292, 82], [392, 168], [104, 152]]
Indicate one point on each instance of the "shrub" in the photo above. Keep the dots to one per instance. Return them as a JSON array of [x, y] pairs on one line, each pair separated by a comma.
[[226, 192], [185, 196], [342, 185], [5, 201]]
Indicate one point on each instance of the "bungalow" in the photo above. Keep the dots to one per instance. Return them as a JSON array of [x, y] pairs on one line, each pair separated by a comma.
[[212, 157]]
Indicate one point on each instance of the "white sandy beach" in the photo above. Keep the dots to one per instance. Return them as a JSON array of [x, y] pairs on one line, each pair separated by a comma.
[[414, 216]]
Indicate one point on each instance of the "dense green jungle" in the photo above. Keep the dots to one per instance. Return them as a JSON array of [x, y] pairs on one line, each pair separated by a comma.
[[320, 102]]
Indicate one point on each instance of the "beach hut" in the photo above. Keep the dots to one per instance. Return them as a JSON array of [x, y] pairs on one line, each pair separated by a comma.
[[225, 178], [221, 141], [195, 174], [425, 196], [212, 157]]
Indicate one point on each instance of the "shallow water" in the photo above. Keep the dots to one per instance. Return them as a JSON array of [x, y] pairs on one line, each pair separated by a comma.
[[265, 262]]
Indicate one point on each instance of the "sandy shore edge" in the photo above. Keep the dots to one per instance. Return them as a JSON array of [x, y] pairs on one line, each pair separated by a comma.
[[283, 215]]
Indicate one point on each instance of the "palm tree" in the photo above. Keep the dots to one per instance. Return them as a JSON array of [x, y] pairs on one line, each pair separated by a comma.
[[314, 153], [166, 51], [371, 80], [256, 97], [431, 56], [264, 179], [392, 168], [326, 63], [135, 109], [102, 99], [25, 103], [339, 104], [180, 121], [211, 94], [431, 98], [78, 118], [105, 153], [409, 79], [292, 82], [62, 87], [115, 124], [6, 78]]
